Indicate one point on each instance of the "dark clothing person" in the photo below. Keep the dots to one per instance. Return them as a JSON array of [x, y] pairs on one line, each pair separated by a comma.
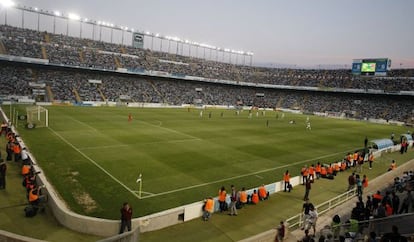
[[126, 215], [3, 169]]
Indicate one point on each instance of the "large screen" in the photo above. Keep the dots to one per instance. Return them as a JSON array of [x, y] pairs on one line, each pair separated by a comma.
[[368, 67], [371, 67]]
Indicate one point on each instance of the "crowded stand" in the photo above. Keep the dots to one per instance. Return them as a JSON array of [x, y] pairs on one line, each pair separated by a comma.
[[63, 85], [102, 55]]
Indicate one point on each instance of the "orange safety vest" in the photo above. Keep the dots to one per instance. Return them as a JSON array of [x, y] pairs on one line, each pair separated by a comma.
[[336, 167], [323, 171], [286, 177], [262, 192], [311, 171], [222, 196], [33, 197], [330, 170], [209, 205], [393, 165], [343, 166], [377, 196], [305, 171], [355, 156], [371, 157], [243, 196], [365, 182], [318, 168], [255, 198], [16, 149], [25, 170]]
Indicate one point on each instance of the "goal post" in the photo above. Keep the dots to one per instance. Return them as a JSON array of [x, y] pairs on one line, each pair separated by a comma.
[[37, 116]]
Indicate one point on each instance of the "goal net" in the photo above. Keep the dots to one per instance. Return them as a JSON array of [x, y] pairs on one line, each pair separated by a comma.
[[37, 116]]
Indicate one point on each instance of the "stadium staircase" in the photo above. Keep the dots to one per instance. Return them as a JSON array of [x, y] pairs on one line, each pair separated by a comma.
[[81, 58], [3, 50], [123, 51], [101, 94], [157, 91], [47, 38], [49, 92], [117, 62], [44, 54], [77, 97]]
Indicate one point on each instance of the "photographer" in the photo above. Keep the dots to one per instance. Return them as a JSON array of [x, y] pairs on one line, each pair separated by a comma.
[[35, 195]]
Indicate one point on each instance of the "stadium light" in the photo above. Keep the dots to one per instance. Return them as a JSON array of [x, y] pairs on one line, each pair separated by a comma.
[[57, 13], [36, 9], [74, 16], [7, 3]]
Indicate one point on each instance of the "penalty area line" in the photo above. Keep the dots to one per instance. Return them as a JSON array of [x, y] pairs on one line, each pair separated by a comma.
[[94, 162]]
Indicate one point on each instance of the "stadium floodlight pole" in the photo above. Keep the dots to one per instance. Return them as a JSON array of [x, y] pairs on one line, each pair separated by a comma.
[[22, 18], [38, 20], [6, 4]]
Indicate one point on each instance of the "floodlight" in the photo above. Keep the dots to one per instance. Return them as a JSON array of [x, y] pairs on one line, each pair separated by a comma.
[[112, 25], [132, 30], [85, 20], [36, 9], [99, 22], [57, 13], [126, 28], [7, 3], [73, 16], [157, 35]]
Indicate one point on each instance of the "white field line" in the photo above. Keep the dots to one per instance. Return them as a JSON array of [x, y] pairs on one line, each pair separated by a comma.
[[94, 162], [240, 176], [170, 130], [84, 124]]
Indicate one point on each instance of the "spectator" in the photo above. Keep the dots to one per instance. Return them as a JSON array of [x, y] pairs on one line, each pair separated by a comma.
[[280, 232], [395, 203], [406, 203], [392, 166], [393, 236], [3, 169], [351, 181], [222, 199], [126, 216], [307, 189], [233, 201], [208, 208], [305, 210], [286, 180]]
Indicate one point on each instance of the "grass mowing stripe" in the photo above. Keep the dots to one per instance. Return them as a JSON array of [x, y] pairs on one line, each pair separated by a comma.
[[94, 162], [168, 129], [147, 143], [241, 176]]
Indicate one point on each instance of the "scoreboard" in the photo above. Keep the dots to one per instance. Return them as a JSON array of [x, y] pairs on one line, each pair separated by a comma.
[[371, 67]]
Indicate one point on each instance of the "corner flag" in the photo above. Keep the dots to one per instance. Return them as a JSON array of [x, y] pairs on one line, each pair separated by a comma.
[[139, 178]]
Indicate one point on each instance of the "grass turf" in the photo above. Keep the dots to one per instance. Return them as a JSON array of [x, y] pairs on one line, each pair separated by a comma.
[[93, 156]]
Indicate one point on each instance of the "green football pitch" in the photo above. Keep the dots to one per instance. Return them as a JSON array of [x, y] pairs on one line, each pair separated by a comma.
[[94, 155]]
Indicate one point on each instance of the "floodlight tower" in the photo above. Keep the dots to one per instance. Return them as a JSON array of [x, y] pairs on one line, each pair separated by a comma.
[[6, 4]]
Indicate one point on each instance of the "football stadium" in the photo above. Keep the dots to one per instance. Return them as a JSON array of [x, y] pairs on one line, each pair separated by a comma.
[[98, 118]]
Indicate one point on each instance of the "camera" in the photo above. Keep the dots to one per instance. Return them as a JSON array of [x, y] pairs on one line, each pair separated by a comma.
[[37, 172]]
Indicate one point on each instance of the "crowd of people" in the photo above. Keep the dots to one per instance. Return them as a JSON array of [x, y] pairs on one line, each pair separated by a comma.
[[389, 202], [234, 200], [67, 50]]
